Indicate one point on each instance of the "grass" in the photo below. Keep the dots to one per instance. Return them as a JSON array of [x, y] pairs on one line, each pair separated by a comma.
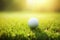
[[14, 26]]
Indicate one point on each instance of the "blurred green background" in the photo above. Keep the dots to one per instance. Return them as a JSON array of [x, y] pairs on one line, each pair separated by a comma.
[[30, 5]]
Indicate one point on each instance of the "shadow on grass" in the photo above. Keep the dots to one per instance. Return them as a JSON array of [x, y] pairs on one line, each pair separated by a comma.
[[40, 35]]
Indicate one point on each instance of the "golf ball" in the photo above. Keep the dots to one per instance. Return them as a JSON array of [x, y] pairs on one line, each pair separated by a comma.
[[33, 22]]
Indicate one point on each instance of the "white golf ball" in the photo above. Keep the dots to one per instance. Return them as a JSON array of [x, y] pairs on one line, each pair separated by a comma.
[[33, 22]]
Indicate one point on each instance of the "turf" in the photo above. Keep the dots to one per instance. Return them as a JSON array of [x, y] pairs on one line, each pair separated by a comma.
[[14, 26]]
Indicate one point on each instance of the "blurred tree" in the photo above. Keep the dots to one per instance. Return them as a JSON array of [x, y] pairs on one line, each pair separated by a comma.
[[4, 4], [11, 5]]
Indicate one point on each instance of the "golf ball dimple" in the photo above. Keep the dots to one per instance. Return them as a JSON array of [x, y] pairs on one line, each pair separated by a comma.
[[33, 22]]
